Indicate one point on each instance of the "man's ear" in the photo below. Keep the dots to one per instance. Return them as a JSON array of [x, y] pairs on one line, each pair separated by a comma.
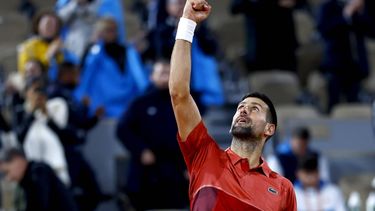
[[269, 130]]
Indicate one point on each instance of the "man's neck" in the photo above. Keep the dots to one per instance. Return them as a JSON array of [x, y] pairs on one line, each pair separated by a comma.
[[249, 149]]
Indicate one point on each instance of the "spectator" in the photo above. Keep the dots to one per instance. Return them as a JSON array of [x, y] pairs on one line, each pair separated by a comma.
[[78, 16], [112, 73], [205, 71], [34, 68], [45, 45], [157, 173], [312, 193], [7, 136], [43, 190], [106, 8], [271, 39], [150, 13], [33, 128], [83, 182], [288, 154], [342, 25]]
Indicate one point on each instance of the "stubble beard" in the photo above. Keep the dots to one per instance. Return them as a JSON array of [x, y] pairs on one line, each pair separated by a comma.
[[242, 132]]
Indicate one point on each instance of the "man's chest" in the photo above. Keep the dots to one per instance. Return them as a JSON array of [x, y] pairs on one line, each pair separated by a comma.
[[251, 188]]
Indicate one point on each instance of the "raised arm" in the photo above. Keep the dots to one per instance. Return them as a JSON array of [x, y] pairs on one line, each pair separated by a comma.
[[185, 109]]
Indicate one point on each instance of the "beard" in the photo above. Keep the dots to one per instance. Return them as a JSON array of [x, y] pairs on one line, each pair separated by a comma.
[[242, 132]]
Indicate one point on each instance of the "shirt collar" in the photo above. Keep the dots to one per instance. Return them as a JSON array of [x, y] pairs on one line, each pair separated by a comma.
[[235, 159]]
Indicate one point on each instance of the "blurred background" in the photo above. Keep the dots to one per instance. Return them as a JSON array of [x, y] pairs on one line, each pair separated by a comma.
[[83, 89]]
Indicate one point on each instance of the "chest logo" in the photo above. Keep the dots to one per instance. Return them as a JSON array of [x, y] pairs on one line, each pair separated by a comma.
[[273, 190]]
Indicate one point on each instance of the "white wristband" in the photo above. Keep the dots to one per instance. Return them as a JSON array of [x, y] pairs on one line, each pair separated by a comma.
[[185, 30]]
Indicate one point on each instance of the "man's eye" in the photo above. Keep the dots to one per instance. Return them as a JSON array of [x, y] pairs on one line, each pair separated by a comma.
[[254, 108]]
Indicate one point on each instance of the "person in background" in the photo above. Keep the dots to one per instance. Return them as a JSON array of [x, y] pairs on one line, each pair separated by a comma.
[[43, 191], [312, 192], [112, 74], [148, 130], [344, 26], [285, 161], [45, 45], [205, 69], [34, 131], [79, 17], [271, 39], [84, 185], [34, 68]]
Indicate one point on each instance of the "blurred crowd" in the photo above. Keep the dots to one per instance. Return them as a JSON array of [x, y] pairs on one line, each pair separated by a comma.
[[77, 67]]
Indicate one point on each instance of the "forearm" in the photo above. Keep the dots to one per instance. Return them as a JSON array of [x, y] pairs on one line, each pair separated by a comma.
[[179, 82]]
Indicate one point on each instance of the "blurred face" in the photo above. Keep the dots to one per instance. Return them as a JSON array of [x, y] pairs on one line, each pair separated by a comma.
[[160, 75], [48, 26], [14, 170], [299, 146], [34, 96], [70, 78], [250, 120], [32, 69], [109, 33], [309, 179], [175, 8]]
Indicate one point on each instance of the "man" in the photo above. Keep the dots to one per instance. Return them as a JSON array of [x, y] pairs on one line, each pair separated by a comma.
[[313, 193], [288, 154], [43, 190], [84, 186], [157, 170], [271, 39], [237, 178], [344, 26]]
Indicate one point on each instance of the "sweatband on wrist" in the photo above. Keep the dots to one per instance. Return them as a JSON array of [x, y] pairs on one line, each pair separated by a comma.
[[185, 30]]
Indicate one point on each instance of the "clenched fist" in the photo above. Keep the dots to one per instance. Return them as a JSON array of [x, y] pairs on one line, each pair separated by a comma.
[[196, 10]]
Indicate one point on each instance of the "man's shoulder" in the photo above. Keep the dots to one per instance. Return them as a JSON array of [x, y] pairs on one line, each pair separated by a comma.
[[283, 181]]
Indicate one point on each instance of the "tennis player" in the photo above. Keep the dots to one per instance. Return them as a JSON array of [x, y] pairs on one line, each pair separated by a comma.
[[237, 178]]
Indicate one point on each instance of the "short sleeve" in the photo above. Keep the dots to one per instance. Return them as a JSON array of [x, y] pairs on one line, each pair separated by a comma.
[[290, 197], [197, 147]]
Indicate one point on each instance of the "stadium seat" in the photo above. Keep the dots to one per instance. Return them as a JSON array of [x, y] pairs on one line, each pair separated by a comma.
[[281, 86], [351, 111], [288, 112]]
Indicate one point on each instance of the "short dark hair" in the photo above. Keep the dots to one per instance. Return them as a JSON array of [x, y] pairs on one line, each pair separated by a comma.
[[308, 163], [66, 67], [271, 114], [40, 81], [301, 133], [8, 154]]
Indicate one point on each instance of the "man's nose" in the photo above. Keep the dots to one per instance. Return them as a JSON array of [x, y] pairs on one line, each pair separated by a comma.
[[243, 110]]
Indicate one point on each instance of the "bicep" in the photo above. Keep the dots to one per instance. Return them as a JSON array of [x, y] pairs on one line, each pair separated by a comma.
[[187, 115]]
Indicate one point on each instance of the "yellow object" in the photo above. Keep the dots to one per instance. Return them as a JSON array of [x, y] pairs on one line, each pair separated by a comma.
[[35, 48]]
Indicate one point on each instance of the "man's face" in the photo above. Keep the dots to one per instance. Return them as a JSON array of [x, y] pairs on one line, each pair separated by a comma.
[[175, 8], [299, 146], [14, 169], [160, 75], [109, 33], [70, 78], [250, 119], [33, 69], [309, 179]]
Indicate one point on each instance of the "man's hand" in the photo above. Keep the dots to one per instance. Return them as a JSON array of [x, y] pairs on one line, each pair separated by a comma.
[[352, 7], [196, 10], [147, 157]]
